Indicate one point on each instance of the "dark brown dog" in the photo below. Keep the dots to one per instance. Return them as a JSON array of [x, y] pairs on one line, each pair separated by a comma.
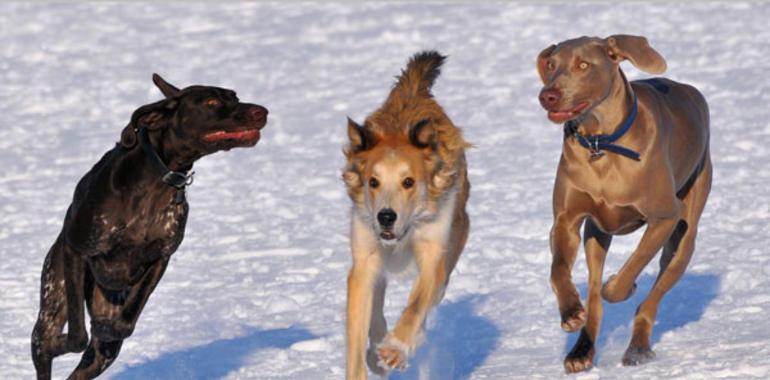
[[634, 153], [127, 218]]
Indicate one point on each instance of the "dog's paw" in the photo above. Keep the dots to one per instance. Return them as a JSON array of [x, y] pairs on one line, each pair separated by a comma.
[[392, 354], [638, 355], [573, 319], [109, 330], [581, 357], [611, 293], [576, 364], [373, 362]]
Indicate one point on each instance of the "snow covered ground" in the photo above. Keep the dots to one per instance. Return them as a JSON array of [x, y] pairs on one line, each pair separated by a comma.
[[257, 289]]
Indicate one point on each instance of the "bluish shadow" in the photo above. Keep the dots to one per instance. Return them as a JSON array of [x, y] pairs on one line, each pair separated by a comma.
[[458, 342], [683, 304], [213, 360]]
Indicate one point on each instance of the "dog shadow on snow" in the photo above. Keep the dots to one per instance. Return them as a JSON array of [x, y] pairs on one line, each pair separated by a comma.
[[683, 304], [216, 359], [458, 341]]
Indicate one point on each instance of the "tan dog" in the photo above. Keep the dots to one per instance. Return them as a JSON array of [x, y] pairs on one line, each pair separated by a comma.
[[652, 166], [406, 175]]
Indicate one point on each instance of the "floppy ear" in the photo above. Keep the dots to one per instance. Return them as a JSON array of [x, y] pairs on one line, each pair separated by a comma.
[[151, 116], [542, 59], [422, 134], [638, 51], [128, 136], [166, 88], [361, 138]]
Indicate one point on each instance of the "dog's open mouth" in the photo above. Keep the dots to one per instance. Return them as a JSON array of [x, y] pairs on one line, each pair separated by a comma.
[[389, 236], [245, 135], [562, 116]]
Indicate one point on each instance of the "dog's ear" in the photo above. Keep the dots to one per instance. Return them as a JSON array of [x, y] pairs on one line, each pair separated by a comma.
[[153, 116], [637, 50], [542, 60], [153, 121], [361, 138], [422, 134], [166, 88], [128, 136]]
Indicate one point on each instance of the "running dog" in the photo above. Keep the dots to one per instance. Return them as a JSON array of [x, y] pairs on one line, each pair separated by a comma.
[[406, 175], [127, 218], [634, 154]]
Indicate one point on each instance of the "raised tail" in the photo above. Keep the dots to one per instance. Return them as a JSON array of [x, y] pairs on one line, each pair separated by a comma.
[[420, 73]]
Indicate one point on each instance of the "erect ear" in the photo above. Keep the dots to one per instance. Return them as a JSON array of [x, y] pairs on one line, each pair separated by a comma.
[[638, 51], [361, 138], [166, 88], [542, 60], [422, 134]]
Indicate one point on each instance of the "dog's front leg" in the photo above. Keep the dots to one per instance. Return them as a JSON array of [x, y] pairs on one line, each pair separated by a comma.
[[565, 238], [363, 276], [596, 244], [74, 277], [621, 286], [400, 343], [122, 326]]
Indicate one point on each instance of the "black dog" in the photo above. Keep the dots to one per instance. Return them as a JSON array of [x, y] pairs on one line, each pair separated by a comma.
[[127, 217]]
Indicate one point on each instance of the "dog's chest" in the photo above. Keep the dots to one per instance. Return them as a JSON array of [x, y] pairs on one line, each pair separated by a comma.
[[604, 182], [156, 230], [398, 259], [616, 219]]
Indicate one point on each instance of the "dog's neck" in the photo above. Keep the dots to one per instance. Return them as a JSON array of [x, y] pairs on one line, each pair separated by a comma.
[[142, 164], [607, 116], [176, 156]]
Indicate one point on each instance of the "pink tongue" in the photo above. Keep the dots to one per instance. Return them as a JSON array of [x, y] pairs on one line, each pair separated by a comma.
[[240, 135]]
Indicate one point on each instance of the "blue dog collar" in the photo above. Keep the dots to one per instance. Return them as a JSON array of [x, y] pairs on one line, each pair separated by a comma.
[[597, 144]]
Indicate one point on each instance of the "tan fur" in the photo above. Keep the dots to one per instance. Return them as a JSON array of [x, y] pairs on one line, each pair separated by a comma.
[[666, 190], [409, 136]]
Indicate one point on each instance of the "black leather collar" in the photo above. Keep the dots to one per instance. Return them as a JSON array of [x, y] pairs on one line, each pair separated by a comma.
[[177, 180]]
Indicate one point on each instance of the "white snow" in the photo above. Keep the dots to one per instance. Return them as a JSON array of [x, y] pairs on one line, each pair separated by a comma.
[[257, 289]]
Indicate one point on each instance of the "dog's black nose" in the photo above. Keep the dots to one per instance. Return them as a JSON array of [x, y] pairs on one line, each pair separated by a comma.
[[386, 217], [550, 97]]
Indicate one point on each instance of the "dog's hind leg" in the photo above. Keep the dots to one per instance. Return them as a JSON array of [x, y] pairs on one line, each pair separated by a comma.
[[95, 360], [676, 257], [378, 326], [596, 244], [48, 341]]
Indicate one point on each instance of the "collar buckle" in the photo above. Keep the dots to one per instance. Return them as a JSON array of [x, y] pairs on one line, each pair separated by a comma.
[[177, 180]]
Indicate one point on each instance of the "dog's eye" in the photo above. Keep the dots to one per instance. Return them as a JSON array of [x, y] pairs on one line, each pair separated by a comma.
[[550, 65], [583, 65], [408, 183], [213, 103], [374, 183]]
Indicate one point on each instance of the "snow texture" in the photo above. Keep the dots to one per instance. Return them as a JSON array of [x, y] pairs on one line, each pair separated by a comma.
[[257, 289]]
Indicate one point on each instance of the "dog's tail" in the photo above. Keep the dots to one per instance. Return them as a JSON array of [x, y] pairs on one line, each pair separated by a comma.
[[420, 73]]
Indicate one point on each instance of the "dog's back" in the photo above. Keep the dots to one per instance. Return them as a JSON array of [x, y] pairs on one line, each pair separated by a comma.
[[685, 118]]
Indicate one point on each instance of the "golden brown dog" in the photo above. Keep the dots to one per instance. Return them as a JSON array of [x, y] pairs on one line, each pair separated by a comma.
[[406, 175], [634, 154]]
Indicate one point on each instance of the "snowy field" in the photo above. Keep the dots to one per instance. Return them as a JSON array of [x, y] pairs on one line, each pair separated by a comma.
[[257, 289]]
